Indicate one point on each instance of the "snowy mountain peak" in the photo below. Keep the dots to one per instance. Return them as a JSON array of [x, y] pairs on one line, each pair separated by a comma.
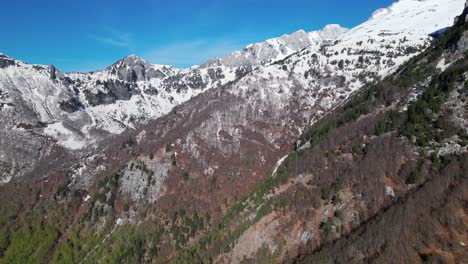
[[130, 61], [404, 18], [329, 32], [332, 27], [133, 68], [379, 12], [275, 49], [332, 31]]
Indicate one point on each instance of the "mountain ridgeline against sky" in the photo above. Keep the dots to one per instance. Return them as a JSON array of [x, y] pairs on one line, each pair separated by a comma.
[[337, 145]]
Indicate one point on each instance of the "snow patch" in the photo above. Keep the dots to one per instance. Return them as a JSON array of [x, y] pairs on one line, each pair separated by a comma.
[[305, 237], [141, 136], [120, 221], [278, 164], [5, 180], [65, 136], [389, 191], [442, 66]]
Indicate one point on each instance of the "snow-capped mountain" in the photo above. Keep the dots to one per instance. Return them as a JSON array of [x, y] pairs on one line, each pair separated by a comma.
[[133, 91], [39, 104], [292, 80], [153, 90]]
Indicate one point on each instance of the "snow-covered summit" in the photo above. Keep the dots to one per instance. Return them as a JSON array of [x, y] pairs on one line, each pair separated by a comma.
[[331, 31], [278, 48], [409, 18], [133, 60], [133, 68]]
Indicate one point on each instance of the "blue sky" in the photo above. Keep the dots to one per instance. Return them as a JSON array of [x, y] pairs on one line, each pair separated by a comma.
[[87, 35]]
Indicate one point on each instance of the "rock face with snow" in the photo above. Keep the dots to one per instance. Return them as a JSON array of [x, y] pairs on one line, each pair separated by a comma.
[[30, 102], [278, 48]]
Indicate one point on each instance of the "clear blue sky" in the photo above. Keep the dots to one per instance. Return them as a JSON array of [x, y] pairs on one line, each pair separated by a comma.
[[85, 35]]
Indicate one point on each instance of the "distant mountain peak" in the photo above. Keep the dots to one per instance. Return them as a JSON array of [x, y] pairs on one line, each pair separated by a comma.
[[333, 26], [131, 60], [332, 31], [278, 48]]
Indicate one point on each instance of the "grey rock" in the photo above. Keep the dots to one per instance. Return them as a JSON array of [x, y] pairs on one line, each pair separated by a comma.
[[462, 44], [115, 90], [5, 61], [72, 105], [133, 69]]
